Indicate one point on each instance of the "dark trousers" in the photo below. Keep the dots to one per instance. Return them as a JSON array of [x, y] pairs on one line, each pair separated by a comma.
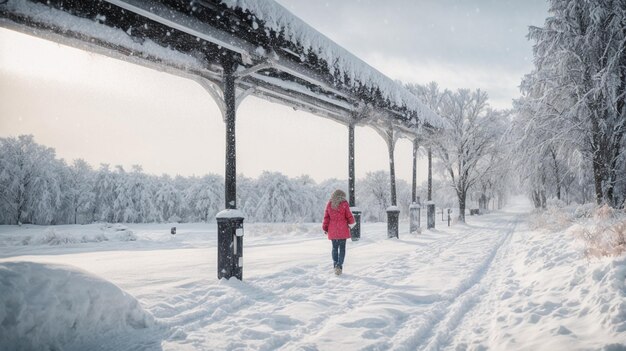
[[339, 252]]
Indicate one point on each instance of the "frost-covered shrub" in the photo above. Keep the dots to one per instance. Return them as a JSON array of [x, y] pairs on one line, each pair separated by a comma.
[[118, 232], [100, 237], [584, 211], [553, 219], [126, 235], [556, 203], [606, 235], [52, 237]]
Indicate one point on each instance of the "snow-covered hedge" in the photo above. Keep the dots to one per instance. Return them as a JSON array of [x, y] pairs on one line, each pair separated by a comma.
[[51, 307], [65, 235]]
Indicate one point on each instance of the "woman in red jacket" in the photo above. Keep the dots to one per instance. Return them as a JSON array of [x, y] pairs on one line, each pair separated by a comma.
[[338, 220]]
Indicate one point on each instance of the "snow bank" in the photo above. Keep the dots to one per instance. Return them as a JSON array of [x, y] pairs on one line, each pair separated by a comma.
[[65, 234], [542, 294], [51, 307]]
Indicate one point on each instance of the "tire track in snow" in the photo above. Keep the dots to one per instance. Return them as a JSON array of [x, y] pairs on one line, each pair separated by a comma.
[[362, 298], [258, 309], [432, 332]]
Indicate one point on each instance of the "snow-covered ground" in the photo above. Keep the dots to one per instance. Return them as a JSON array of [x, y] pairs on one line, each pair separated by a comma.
[[491, 284]]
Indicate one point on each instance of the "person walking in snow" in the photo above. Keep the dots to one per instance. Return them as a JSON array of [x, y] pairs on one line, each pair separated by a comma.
[[338, 220]]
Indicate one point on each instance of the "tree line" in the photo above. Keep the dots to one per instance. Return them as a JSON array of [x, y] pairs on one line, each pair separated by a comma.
[[572, 114], [37, 187], [470, 153], [564, 138]]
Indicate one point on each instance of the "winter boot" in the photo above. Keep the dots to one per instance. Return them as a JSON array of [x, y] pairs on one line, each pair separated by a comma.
[[337, 270]]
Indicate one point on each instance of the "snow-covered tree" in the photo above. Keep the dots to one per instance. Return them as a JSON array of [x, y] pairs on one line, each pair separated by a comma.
[[308, 204], [374, 198], [466, 148], [247, 196], [168, 200], [80, 184], [577, 88], [104, 194], [29, 182], [278, 199], [204, 197]]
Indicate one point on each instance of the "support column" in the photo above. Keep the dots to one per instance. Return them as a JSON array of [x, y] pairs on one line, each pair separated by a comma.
[[393, 212], [355, 232], [230, 221], [430, 205], [415, 207], [230, 178]]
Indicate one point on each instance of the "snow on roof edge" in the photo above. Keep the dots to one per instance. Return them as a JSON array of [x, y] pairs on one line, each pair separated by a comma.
[[93, 29], [299, 32]]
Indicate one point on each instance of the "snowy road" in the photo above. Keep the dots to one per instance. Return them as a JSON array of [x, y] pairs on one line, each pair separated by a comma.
[[464, 287]]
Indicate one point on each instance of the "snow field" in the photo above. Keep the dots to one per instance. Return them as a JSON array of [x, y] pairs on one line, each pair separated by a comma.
[[490, 284], [549, 297]]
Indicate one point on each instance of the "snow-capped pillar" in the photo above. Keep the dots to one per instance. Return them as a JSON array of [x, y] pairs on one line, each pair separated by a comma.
[[230, 221], [229, 244], [430, 205], [355, 232], [393, 212], [415, 207]]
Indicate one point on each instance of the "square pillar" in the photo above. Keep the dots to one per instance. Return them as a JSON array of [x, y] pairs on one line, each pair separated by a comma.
[[414, 217], [430, 215], [393, 214], [355, 232], [230, 244]]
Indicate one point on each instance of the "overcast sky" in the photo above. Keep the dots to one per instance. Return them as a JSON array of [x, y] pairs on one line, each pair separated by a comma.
[[107, 111]]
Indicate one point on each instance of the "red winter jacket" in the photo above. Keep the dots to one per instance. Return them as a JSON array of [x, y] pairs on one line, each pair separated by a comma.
[[336, 221]]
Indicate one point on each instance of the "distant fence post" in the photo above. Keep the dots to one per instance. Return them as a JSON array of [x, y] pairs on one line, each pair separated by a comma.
[[414, 217], [430, 215], [393, 214], [355, 232]]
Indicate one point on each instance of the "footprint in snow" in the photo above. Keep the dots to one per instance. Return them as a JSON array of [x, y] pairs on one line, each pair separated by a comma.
[[561, 330]]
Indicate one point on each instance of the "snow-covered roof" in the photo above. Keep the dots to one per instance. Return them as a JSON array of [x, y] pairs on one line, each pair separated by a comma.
[[282, 58], [280, 20]]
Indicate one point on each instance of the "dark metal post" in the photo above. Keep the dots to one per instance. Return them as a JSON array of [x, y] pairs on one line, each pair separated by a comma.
[[430, 174], [393, 213], [230, 221], [392, 171], [430, 205], [449, 211], [414, 185], [351, 164], [355, 232], [414, 208], [230, 179]]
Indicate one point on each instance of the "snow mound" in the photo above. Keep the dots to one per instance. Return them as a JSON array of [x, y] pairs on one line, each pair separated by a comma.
[[66, 235], [54, 307]]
